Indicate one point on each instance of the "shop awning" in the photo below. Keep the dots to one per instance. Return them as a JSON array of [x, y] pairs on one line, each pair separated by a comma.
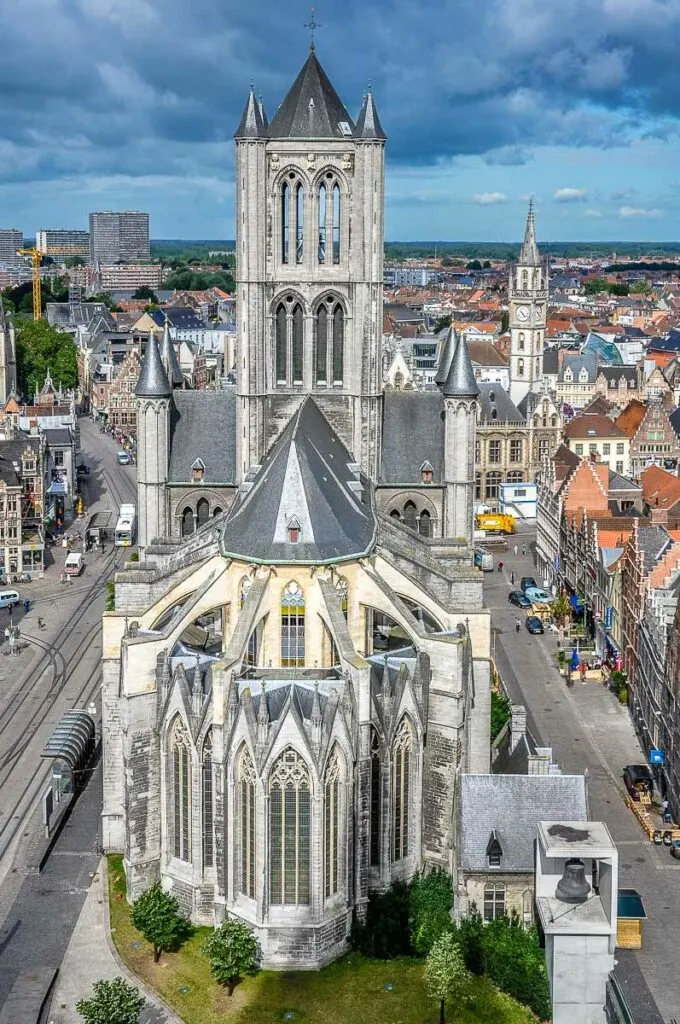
[[612, 644], [576, 602], [73, 739], [56, 487]]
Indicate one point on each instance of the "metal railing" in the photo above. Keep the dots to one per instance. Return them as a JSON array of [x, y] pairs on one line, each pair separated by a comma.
[[616, 1008]]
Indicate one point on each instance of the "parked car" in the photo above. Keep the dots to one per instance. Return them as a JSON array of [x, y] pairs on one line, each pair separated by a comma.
[[527, 581], [638, 779], [518, 598], [123, 459], [534, 594], [83, 470], [675, 849], [534, 625]]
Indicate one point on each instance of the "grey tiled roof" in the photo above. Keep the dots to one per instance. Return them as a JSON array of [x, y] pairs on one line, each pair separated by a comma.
[[653, 541], [368, 122], [58, 436], [312, 109], [203, 426], [577, 363], [528, 255], [153, 380], [513, 805], [413, 432], [494, 397], [253, 123], [460, 381], [306, 477]]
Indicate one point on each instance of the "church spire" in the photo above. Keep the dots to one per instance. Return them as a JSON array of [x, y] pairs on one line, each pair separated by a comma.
[[529, 255], [460, 381], [368, 122], [252, 124], [153, 380]]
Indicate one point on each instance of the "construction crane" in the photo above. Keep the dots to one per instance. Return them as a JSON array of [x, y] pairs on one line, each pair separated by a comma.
[[36, 256]]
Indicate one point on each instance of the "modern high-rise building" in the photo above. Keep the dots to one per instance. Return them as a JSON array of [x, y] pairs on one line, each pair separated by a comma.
[[63, 242], [119, 237], [11, 239]]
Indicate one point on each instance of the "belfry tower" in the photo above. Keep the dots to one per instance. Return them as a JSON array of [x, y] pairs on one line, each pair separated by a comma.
[[309, 267], [528, 295]]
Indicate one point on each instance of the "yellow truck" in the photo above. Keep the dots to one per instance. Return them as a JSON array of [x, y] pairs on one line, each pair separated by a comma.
[[495, 522]]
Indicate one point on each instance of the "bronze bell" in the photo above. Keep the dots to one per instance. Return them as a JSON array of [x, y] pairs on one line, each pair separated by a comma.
[[572, 886]]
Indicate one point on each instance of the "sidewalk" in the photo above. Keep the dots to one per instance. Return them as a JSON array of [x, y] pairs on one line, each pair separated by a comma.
[[91, 956]]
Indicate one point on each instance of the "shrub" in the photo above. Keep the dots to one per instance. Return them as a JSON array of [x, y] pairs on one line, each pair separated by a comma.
[[233, 952], [385, 932], [446, 976], [157, 916], [430, 903], [470, 933], [514, 961], [623, 695], [112, 1002], [110, 596], [500, 712]]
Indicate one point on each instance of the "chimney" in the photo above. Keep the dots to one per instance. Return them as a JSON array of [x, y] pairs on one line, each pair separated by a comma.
[[518, 724], [658, 516]]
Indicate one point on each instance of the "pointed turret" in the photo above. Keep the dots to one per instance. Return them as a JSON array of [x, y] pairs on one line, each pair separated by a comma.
[[252, 124], [153, 380], [460, 381], [169, 359], [529, 255], [368, 122]]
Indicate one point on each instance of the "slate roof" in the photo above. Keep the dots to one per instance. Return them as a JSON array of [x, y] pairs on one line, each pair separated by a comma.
[[11, 452], [529, 255], [485, 353], [306, 476], [58, 436], [576, 364], [182, 318], [153, 380], [460, 380], [652, 541], [312, 109], [494, 399], [253, 121], [368, 123], [614, 373], [513, 805], [203, 426], [418, 416]]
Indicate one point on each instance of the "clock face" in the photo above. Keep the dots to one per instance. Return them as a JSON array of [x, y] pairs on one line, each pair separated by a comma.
[[523, 314]]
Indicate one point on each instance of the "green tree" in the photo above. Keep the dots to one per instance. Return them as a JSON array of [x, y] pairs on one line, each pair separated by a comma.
[[595, 285], [514, 961], [640, 288], [430, 906], [74, 261], [157, 916], [446, 976], [561, 609], [443, 323], [500, 712], [146, 293], [474, 265], [233, 952], [505, 321], [112, 1002], [41, 348], [447, 262]]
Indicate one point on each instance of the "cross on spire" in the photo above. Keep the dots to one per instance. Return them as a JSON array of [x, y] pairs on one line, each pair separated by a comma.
[[312, 25]]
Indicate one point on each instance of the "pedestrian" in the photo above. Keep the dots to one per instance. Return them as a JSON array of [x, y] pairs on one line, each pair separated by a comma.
[[500, 567], [518, 625], [516, 549], [27, 606], [524, 550], [512, 579]]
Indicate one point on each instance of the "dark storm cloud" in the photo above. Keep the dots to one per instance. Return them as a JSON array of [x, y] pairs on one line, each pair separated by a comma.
[[140, 87]]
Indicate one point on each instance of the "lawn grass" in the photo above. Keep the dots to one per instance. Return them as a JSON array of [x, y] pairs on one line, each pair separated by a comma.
[[351, 990]]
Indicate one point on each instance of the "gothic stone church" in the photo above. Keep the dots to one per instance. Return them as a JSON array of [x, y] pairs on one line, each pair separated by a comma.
[[294, 679]]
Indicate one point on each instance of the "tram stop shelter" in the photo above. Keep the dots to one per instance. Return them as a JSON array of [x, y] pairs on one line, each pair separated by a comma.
[[70, 747]]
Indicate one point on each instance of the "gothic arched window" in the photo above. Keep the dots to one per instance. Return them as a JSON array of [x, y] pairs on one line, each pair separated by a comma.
[[331, 822], [425, 524], [243, 589], [336, 223], [246, 811], [217, 511], [520, 367], [285, 221], [180, 755], [401, 789], [395, 514], [187, 521], [322, 223], [207, 802], [281, 343], [515, 476], [202, 512], [292, 627], [321, 370], [338, 343], [520, 341], [299, 222], [410, 515], [289, 830], [342, 590], [298, 341], [376, 799]]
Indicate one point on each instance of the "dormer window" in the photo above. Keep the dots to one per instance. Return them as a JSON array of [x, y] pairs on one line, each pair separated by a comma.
[[198, 471], [568, 376], [293, 527], [426, 473], [494, 850]]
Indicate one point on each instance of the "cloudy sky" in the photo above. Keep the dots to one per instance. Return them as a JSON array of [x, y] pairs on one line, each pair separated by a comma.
[[131, 104]]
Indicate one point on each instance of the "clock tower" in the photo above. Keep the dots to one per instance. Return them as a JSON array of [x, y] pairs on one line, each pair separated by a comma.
[[528, 299]]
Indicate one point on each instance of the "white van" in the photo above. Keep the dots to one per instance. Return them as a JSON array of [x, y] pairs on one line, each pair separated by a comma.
[[73, 566], [8, 598]]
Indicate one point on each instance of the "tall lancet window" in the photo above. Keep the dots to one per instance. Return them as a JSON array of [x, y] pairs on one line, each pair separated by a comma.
[[180, 756], [299, 223], [298, 343], [207, 802], [338, 343], [376, 799], [401, 789], [281, 343], [331, 821], [292, 627], [322, 223], [246, 795], [336, 223], [289, 830], [285, 221], [322, 345]]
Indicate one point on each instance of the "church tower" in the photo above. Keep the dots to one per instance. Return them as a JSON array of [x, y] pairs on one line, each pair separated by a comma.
[[528, 299], [309, 267]]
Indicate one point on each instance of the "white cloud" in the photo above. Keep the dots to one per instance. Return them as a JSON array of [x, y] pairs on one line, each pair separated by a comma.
[[488, 198], [636, 211], [570, 195], [593, 213]]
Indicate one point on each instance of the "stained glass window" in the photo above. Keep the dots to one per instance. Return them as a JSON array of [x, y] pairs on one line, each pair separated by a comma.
[[401, 790], [289, 830], [246, 785], [181, 786], [292, 627]]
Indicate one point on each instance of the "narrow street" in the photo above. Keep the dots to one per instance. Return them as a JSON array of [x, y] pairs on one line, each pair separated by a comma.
[[589, 731], [59, 669]]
